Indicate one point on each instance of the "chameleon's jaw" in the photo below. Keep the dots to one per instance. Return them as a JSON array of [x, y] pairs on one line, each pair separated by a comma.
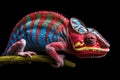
[[93, 49], [89, 51], [95, 52]]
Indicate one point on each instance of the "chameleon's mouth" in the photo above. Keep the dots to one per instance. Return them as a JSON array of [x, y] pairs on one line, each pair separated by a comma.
[[81, 47], [94, 49], [89, 51]]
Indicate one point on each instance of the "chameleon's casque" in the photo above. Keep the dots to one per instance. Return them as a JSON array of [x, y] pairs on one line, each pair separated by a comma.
[[51, 32]]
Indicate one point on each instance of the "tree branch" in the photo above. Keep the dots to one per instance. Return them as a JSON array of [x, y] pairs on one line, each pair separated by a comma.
[[35, 58]]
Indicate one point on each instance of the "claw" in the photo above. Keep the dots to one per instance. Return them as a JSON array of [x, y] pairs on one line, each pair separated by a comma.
[[59, 63], [28, 53]]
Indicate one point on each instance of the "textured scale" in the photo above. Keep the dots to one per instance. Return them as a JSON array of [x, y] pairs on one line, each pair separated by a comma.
[[51, 32], [39, 29]]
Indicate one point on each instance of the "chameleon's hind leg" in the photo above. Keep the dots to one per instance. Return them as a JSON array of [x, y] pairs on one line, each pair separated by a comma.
[[18, 49]]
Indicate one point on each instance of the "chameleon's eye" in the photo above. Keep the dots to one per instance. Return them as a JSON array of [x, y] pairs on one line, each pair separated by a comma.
[[98, 35], [78, 26]]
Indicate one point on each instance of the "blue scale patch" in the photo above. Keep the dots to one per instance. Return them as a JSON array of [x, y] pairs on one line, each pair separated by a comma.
[[28, 20], [51, 37], [34, 33], [41, 39]]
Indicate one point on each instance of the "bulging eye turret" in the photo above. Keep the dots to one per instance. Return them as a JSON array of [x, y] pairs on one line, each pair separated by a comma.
[[78, 26], [90, 39]]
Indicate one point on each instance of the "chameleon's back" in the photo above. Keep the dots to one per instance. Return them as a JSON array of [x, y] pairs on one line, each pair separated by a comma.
[[39, 29]]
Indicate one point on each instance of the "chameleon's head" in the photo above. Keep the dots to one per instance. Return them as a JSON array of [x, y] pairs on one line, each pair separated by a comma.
[[87, 42]]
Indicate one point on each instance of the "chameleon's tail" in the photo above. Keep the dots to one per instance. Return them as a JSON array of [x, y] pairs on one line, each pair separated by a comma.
[[6, 49]]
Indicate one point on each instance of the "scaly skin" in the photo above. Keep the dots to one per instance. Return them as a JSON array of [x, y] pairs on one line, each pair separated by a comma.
[[51, 32]]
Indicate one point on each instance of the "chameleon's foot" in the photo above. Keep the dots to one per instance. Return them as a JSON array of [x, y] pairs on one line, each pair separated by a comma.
[[59, 63], [18, 49], [27, 53]]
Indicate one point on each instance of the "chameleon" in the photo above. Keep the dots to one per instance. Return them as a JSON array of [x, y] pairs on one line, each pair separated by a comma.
[[51, 32]]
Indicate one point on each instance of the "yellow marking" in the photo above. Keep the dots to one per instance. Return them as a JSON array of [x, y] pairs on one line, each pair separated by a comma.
[[91, 48], [78, 44]]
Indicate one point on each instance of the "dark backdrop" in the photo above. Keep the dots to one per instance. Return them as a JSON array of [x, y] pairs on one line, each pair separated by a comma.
[[98, 15]]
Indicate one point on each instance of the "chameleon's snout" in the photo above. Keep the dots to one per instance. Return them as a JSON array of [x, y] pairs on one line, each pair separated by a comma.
[[91, 46]]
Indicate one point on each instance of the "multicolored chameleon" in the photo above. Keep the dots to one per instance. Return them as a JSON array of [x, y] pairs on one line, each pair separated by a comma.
[[51, 32]]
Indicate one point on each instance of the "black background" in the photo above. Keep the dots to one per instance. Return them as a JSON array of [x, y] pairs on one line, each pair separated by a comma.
[[99, 15]]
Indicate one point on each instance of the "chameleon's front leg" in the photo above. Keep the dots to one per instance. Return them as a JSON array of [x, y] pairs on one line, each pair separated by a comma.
[[51, 50]]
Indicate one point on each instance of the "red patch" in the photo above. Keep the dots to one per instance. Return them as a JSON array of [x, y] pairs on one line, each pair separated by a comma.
[[90, 53], [49, 27], [24, 23], [33, 18], [39, 26]]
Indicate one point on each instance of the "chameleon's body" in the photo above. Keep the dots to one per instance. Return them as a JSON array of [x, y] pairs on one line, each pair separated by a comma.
[[49, 31], [39, 29]]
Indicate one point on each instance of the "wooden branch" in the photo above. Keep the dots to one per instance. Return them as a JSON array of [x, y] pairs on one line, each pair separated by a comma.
[[35, 58]]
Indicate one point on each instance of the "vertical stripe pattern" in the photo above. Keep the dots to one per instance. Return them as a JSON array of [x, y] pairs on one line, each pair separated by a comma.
[[43, 30], [39, 29]]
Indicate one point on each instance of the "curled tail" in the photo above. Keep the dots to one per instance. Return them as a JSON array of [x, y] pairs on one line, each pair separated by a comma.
[[8, 46], [10, 42]]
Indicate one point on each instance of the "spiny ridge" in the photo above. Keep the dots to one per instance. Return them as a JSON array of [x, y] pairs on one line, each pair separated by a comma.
[[56, 14]]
